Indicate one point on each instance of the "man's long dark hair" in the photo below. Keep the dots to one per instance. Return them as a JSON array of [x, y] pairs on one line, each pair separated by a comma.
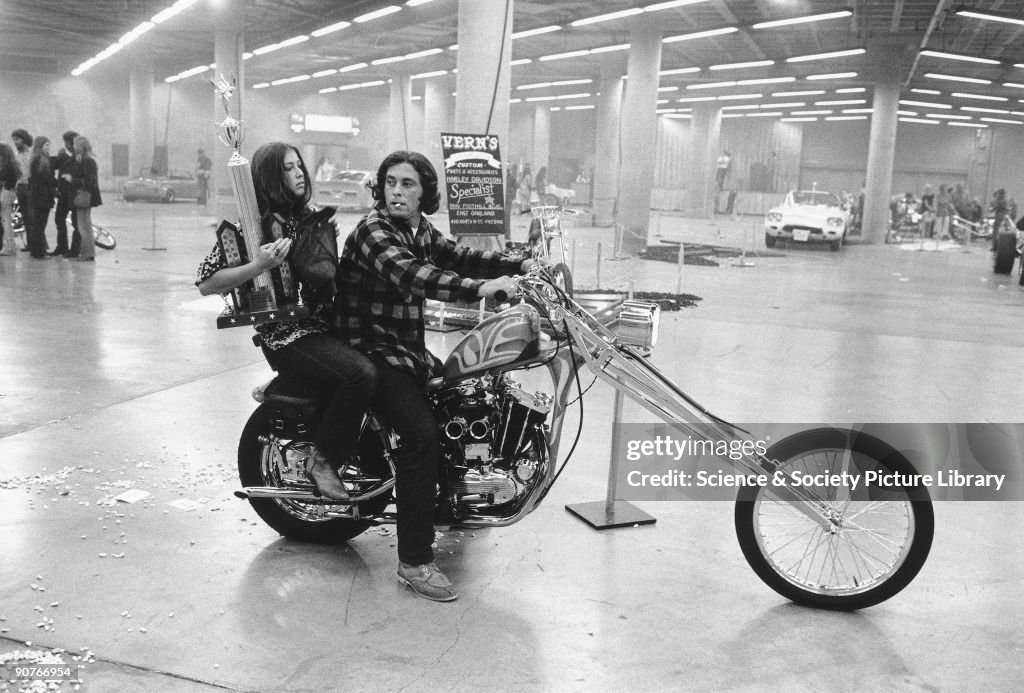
[[431, 199], [272, 195]]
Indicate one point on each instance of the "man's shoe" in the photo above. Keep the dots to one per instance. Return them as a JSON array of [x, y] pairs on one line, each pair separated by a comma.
[[427, 581], [56, 252], [69, 254], [325, 478]]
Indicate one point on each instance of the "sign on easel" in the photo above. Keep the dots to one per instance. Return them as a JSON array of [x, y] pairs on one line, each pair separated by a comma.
[[474, 183]]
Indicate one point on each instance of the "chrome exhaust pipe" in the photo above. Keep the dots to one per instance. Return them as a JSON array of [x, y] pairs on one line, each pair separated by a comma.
[[279, 493]]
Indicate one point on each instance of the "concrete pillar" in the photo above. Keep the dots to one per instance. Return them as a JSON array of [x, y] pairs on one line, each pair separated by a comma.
[[606, 148], [140, 112], [483, 81], [437, 118], [541, 139], [228, 44], [889, 61], [400, 113], [705, 135], [484, 78], [639, 134]]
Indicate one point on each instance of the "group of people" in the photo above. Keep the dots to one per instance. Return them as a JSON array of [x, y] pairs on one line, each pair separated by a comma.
[[365, 334], [937, 209], [40, 181]]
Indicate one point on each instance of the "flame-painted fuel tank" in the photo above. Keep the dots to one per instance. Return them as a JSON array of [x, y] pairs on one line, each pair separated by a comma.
[[508, 338]]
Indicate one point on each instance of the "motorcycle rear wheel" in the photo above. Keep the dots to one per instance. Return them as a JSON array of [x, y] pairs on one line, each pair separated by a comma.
[[879, 540], [300, 520]]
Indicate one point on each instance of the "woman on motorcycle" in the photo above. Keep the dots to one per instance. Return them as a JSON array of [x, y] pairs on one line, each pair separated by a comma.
[[303, 347], [393, 261]]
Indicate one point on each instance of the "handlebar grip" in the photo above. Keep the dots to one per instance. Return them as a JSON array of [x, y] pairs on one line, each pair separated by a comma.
[[500, 295]]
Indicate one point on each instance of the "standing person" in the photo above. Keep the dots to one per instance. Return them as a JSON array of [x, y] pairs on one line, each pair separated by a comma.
[[943, 212], [722, 169], [392, 262], [23, 153], [540, 183], [203, 168], [64, 169], [42, 188], [86, 177], [9, 175], [927, 210], [304, 347]]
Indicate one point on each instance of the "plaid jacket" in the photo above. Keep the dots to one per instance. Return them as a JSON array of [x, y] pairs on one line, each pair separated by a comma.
[[387, 271]]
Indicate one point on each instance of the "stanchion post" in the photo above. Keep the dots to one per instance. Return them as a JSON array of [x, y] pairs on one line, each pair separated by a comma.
[[679, 271], [598, 287], [611, 512], [153, 241]]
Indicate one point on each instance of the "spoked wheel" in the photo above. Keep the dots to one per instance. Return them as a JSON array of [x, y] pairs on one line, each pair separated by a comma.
[[103, 238], [562, 278], [264, 460], [874, 541]]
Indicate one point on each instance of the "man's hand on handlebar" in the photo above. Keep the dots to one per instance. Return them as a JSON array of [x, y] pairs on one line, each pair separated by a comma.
[[499, 289]]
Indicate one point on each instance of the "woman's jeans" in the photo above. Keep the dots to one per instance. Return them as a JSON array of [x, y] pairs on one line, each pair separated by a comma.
[[325, 360], [7, 198], [85, 229], [401, 401]]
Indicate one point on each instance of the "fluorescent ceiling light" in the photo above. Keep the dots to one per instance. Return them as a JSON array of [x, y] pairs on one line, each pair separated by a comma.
[[536, 32], [700, 34], [668, 88], [825, 56], [979, 109], [802, 20], [135, 33], [926, 91], [174, 9], [521, 61], [739, 97], [741, 107], [377, 14], [923, 104], [851, 90], [423, 54], [540, 98], [832, 75], [691, 99], [954, 78], [858, 110], [813, 112], [1014, 85], [989, 17], [325, 73], [293, 41], [900, 112], [609, 49], [670, 3], [947, 116], [1003, 120], [679, 71], [386, 61], [846, 117], [608, 17], [425, 75], [416, 3], [766, 80], [924, 121], [798, 120], [735, 66], [330, 29], [787, 104], [811, 92], [581, 107], [840, 102], [356, 66], [764, 114], [561, 56], [982, 97], [954, 56], [969, 125], [711, 85]]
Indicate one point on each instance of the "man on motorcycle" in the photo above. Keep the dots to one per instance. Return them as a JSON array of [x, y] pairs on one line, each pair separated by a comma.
[[391, 263]]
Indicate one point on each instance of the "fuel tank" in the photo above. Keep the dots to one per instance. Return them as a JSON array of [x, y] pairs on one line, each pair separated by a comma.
[[508, 338]]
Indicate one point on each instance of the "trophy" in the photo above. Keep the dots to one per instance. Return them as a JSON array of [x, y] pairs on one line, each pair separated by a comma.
[[272, 296]]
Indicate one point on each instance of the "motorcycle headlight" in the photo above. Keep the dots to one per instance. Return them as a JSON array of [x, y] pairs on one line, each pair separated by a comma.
[[638, 324], [773, 216], [835, 221]]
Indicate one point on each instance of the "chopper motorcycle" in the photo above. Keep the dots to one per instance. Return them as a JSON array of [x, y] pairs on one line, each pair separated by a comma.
[[816, 546]]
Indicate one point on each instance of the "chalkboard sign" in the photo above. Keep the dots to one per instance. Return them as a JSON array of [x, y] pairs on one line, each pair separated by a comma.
[[473, 180]]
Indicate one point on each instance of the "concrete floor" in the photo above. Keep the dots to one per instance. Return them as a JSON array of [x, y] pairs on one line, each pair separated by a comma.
[[113, 377]]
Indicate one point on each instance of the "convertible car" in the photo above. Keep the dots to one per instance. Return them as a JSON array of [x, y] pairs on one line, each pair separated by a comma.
[[347, 190], [808, 216], [162, 188]]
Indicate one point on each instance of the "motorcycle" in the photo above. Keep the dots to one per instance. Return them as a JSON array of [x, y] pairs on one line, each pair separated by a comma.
[[501, 447], [101, 236]]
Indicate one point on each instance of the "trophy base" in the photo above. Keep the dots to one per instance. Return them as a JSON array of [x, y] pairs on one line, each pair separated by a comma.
[[240, 318]]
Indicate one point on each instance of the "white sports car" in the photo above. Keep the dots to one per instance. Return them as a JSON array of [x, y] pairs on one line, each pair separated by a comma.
[[808, 216]]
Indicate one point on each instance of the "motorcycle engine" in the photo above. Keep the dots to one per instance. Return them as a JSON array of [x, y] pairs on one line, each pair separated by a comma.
[[489, 428]]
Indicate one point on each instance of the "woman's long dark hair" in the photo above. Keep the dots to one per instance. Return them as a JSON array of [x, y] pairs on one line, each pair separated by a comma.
[[431, 199], [272, 195], [39, 162]]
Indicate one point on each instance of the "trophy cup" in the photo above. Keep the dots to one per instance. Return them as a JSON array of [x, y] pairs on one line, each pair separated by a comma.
[[272, 296]]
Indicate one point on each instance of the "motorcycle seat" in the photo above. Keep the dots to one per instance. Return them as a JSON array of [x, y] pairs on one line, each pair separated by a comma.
[[291, 391]]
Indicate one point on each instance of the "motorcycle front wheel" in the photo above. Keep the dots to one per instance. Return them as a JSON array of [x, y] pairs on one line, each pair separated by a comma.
[[877, 537], [266, 461]]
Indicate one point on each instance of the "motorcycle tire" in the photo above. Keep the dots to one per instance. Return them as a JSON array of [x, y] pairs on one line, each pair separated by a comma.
[[562, 277], [879, 538], [103, 238], [1006, 252], [295, 519]]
